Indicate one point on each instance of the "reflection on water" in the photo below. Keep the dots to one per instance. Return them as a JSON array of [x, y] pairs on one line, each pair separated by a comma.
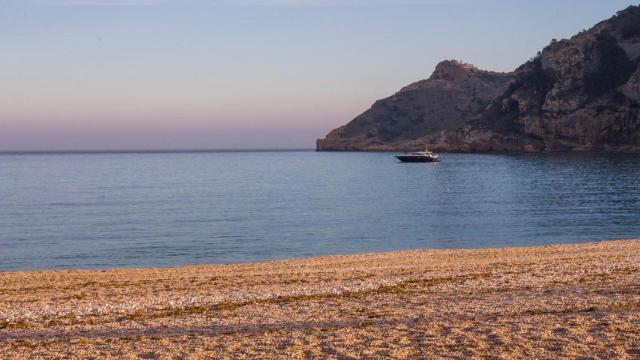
[[159, 209]]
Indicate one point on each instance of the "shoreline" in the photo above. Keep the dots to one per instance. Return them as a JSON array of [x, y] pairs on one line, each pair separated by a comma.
[[543, 301], [310, 257]]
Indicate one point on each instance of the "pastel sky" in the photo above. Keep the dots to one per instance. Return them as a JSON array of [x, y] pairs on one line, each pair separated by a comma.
[[194, 74]]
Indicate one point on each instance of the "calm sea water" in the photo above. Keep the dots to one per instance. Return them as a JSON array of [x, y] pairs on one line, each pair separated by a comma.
[[161, 209]]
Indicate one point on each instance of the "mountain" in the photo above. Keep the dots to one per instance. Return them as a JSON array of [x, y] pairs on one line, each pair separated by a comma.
[[578, 94], [455, 94]]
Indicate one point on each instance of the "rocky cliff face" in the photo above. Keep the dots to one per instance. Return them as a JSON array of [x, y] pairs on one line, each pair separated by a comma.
[[576, 94], [429, 109], [581, 93]]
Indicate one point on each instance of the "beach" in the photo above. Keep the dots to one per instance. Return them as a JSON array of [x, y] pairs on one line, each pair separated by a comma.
[[572, 301]]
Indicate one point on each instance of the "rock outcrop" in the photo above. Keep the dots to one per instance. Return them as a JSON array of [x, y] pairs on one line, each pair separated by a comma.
[[577, 94], [455, 94]]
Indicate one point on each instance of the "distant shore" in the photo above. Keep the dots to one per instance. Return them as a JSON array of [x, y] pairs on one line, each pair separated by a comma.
[[526, 302]]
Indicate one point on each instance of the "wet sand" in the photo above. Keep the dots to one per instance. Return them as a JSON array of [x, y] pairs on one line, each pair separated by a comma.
[[571, 301]]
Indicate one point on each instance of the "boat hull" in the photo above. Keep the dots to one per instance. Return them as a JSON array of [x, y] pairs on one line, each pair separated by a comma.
[[416, 159]]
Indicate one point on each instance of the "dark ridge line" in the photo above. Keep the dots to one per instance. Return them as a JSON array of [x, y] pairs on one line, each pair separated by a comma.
[[206, 330], [247, 329]]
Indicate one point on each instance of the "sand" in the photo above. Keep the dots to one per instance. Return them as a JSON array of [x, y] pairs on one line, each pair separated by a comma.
[[564, 301]]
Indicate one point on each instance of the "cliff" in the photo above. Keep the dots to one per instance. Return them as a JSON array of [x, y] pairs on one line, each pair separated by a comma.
[[577, 94], [455, 94]]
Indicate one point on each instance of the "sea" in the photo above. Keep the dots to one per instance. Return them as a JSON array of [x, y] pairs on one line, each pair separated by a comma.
[[157, 209]]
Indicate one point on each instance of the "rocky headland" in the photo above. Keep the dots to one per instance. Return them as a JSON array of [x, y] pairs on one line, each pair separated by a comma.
[[577, 94]]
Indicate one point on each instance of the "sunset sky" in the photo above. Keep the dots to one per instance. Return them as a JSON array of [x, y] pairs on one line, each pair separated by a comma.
[[182, 74]]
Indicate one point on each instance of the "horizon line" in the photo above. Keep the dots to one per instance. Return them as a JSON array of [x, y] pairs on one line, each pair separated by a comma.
[[148, 151]]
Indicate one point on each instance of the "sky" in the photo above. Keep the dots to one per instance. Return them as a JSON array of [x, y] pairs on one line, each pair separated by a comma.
[[230, 74]]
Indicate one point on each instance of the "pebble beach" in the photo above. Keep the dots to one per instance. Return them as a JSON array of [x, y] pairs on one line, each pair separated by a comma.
[[558, 301]]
